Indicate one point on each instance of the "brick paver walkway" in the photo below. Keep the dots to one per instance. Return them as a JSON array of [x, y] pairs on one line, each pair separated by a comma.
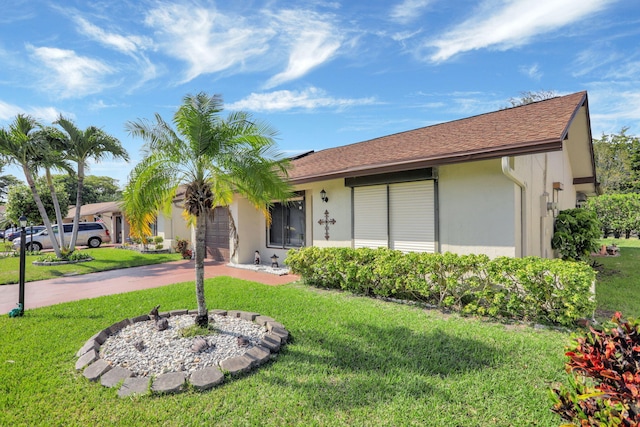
[[53, 291]]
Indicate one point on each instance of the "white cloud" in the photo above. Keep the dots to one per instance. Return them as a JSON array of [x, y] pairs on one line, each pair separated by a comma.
[[503, 24], [408, 10], [48, 115], [315, 40], [613, 107], [8, 111], [591, 59], [125, 44], [532, 71], [44, 114], [284, 100], [206, 40], [211, 41], [69, 75]]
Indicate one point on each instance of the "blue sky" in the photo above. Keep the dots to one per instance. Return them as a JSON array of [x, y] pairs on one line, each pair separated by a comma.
[[323, 73]]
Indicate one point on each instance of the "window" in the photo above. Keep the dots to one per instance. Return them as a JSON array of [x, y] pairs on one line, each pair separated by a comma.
[[287, 224]]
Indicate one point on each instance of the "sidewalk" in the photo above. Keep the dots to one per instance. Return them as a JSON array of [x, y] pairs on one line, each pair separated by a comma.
[[53, 291]]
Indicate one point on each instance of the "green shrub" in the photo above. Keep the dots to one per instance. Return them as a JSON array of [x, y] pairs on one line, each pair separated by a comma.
[[604, 382], [532, 288], [576, 234], [67, 256]]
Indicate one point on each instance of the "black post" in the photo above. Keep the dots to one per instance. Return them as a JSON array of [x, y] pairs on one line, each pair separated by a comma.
[[23, 239]]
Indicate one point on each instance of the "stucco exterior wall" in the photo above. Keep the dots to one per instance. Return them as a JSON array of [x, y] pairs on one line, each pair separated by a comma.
[[477, 209], [251, 228], [338, 207], [172, 227]]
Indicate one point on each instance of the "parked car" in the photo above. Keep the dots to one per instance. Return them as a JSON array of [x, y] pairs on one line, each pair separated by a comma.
[[14, 233], [92, 234]]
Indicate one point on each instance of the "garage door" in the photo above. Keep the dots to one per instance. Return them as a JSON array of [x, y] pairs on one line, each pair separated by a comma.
[[217, 235]]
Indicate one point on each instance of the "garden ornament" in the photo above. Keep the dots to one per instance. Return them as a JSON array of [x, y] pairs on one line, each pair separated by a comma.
[[161, 322], [18, 311]]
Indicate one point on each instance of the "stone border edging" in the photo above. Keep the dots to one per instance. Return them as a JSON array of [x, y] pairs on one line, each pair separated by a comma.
[[47, 263], [94, 368]]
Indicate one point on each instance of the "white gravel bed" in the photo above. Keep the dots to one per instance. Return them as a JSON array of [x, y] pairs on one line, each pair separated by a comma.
[[165, 351]]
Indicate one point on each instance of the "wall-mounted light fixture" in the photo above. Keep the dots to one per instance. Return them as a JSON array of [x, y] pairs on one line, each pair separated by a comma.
[[323, 196]]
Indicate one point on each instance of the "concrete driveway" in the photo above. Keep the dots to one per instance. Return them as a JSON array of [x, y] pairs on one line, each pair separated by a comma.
[[53, 291]]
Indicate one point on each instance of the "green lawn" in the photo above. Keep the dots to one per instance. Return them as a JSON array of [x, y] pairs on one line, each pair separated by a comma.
[[352, 360], [107, 258], [618, 280]]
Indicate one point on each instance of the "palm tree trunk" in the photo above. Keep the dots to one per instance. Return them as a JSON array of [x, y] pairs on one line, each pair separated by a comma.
[[56, 206], [76, 217], [202, 319], [41, 209]]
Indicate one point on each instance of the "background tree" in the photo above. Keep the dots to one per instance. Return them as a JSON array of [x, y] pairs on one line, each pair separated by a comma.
[[96, 189], [6, 182], [528, 97], [212, 158], [84, 145], [617, 158], [20, 201]]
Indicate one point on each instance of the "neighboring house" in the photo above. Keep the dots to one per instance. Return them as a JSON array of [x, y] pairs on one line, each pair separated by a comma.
[[489, 184], [110, 213]]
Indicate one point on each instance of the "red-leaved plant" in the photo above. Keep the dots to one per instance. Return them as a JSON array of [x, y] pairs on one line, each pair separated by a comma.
[[604, 383]]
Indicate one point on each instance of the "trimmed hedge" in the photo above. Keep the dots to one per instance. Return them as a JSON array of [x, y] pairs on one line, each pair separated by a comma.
[[531, 288]]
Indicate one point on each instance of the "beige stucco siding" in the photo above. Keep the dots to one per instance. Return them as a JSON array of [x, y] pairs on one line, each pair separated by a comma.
[[251, 226], [477, 209], [173, 226], [339, 209]]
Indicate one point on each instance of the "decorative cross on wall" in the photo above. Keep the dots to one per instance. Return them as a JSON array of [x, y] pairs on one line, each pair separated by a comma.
[[326, 221]]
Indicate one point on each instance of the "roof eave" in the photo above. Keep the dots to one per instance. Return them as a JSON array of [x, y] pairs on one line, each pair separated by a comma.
[[519, 150]]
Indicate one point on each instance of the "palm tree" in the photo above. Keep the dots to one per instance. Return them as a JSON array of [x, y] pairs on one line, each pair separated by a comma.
[[212, 158], [92, 143], [19, 146], [50, 144]]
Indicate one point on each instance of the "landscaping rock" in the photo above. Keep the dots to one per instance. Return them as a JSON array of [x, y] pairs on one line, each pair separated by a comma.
[[172, 382], [142, 318], [86, 359], [88, 346], [117, 327], [234, 313], [272, 342], [219, 312], [262, 320], [274, 324], [115, 376], [101, 336], [236, 365], [206, 378], [134, 385], [96, 370], [282, 333], [248, 316], [259, 355]]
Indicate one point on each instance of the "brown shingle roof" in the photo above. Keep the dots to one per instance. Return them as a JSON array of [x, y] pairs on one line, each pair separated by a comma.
[[531, 128]]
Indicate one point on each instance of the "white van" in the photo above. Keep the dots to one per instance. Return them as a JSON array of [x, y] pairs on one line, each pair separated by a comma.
[[91, 234]]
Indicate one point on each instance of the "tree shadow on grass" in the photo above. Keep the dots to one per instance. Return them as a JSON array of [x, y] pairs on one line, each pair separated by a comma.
[[370, 364]]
